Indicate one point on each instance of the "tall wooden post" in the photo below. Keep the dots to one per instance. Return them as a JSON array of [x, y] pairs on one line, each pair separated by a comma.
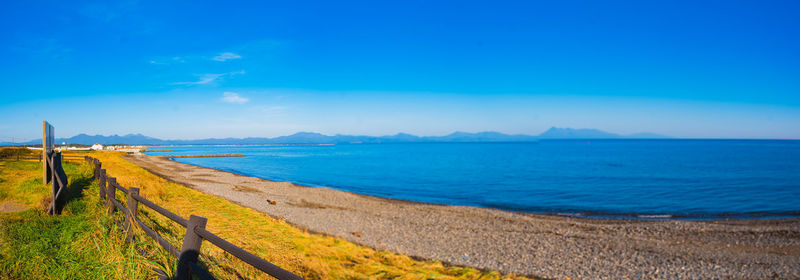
[[54, 186], [191, 247], [44, 152], [47, 150]]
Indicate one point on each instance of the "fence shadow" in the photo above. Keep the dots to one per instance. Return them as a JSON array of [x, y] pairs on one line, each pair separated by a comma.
[[74, 191]]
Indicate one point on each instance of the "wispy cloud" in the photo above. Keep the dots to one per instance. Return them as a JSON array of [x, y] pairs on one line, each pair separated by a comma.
[[226, 56], [165, 61], [204, 79], [232, 97], [210, 78], [189, 58]]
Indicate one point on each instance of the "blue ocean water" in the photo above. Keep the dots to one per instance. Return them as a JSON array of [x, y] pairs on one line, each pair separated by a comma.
[[601, 178]]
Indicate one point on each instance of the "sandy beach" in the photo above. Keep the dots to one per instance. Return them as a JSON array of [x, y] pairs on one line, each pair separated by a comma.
[[520, 243]]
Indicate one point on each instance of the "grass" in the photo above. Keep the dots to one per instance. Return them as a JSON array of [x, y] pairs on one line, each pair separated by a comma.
[[82, 243], [312, 256], [13, 152], [20, 182]]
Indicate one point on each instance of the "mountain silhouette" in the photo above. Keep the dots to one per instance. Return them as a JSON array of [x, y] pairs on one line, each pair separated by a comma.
[[318, 138]]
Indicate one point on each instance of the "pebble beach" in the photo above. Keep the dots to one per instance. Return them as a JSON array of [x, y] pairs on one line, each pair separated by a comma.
[[541, 246]]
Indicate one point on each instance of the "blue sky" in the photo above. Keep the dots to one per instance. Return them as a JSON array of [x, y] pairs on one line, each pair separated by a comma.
[[196, 69]]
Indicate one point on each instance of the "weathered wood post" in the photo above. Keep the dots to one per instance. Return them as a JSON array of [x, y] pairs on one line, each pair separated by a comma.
[[132, 207], [102, 183], [45, 144], [190, 250], [111, 194], [53, 183]]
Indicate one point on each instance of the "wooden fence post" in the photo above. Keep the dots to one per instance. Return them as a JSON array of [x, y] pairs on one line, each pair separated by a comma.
[[111, 194], [102, 183], [53, 182], [190, 250], [96, 168], [132, 208]]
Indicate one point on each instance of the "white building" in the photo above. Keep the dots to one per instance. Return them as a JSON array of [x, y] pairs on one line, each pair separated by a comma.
[[97, 147]]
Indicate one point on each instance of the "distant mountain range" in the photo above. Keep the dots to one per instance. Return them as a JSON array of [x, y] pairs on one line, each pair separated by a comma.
[[317, 138]]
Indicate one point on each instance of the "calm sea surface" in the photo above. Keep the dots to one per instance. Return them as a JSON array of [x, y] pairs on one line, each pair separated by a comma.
[[617, 178]]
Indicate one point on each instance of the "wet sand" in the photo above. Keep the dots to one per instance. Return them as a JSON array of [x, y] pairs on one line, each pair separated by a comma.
[[520, 243]]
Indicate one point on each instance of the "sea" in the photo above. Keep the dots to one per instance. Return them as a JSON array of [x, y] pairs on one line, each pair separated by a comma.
[[627, 179]]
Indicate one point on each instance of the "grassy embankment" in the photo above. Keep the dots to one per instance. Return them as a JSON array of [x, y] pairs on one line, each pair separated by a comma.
[[79, 244], [312, 256]]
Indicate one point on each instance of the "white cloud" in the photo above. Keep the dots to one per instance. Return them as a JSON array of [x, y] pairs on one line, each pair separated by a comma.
[[210, 78], [232, 97], [204, 79], [226, 56], [167, 61]]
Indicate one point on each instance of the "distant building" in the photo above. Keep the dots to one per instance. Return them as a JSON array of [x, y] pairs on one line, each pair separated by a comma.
[[97, 147]]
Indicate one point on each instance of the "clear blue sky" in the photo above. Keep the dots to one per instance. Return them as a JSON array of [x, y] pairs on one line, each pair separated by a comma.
[[195, 69]]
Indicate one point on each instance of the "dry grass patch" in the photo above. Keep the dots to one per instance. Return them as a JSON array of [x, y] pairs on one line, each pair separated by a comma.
[[312, 256]]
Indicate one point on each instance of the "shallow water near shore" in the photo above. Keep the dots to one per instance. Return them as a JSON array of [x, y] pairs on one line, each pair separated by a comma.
[[643, 179]]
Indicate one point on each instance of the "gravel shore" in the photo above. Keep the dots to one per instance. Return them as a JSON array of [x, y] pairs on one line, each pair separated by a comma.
[[524, 244]]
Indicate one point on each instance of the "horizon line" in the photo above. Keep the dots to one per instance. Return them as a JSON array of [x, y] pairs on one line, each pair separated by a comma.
[[614, 136]]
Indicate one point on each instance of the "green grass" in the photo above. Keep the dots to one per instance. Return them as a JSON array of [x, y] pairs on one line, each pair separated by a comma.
[[85, 243], [81, 243]]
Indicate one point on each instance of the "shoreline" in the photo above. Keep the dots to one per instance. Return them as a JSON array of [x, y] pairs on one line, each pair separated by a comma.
[[512, 242], [595, 215]]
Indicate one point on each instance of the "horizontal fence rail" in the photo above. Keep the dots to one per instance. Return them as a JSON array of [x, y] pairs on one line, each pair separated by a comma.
[[166, 213], [245, 256], [188, 264], [160, 240], [38, 157]]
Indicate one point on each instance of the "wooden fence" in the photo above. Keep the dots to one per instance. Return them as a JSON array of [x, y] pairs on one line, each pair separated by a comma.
[[195, 231], [52, 171], [38, 157]]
